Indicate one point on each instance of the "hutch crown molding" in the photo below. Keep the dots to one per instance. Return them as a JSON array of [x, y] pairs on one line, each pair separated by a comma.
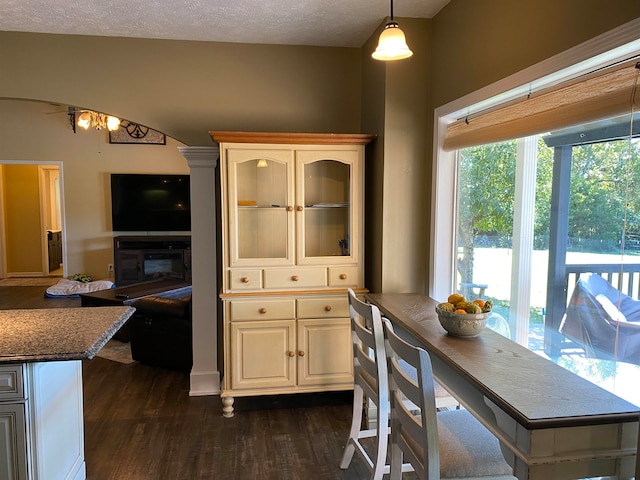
[[292, 243]]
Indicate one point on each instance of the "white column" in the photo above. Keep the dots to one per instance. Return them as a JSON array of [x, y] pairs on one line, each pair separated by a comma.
[[524, 217], [205, 376]]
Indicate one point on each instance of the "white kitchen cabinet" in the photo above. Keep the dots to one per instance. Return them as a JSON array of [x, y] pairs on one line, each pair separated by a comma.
[[41, 421]]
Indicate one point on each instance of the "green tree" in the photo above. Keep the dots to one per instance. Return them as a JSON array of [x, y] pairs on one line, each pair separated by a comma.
[[485, 198], [605, 195], [604, 180]]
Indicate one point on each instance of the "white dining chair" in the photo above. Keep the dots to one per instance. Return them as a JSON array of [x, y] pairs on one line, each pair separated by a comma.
[[370, 370], [438, 445], [371, 388]]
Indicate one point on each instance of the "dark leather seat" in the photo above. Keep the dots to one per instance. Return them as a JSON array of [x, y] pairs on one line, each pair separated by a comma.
[[161, 332]]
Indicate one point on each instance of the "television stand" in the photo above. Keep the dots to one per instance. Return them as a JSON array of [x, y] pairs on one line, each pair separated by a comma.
[[147, 258]]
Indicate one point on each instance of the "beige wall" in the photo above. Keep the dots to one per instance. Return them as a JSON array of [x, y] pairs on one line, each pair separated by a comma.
[[476, 43], [22, 218], [373, 111], [185, 89], [34, 131], [396, 104]]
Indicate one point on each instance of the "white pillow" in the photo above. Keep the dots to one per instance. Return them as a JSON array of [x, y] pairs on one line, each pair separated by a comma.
[[610, 308]]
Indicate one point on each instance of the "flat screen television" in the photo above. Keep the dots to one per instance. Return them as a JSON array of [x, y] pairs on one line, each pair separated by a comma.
[[150, 202]]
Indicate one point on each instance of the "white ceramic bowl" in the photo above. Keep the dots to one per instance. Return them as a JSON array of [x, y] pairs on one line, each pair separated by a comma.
[[463, 325]]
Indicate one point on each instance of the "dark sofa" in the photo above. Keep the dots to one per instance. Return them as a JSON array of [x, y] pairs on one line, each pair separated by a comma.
[[161, 331]]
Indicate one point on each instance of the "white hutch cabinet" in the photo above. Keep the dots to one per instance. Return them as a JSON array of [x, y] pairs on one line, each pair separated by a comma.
[[292, 242]]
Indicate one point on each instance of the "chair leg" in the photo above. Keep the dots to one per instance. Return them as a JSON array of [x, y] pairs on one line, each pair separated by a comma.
[[382, 428], [356, 422], [395, 469]]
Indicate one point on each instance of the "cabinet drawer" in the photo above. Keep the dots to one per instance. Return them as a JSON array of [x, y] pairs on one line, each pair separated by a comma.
[[334, 307], [343, 276], [245, 279], [262, 310], [11, 382], [295, 278]]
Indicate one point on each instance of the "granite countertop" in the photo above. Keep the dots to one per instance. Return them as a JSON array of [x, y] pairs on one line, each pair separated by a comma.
[[52, 334]]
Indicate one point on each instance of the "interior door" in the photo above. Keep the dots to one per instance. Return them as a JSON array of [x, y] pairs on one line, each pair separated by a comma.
[[30, 205]]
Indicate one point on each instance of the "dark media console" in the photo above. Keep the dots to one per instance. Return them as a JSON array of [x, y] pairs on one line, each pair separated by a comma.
[[145, 258]]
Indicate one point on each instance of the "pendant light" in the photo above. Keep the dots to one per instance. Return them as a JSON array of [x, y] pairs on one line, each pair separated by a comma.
[[392, 44]]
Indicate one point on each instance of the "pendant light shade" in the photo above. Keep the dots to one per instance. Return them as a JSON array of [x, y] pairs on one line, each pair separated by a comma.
[[392, 44]]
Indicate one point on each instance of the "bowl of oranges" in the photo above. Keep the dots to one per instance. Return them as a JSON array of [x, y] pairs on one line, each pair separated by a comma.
[[463, 318]]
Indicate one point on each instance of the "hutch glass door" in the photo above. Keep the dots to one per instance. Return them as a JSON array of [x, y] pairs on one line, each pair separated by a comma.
[[260, 207], [325, 210]]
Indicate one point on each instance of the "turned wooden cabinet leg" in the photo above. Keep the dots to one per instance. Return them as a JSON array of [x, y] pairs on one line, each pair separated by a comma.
[[227, 407]]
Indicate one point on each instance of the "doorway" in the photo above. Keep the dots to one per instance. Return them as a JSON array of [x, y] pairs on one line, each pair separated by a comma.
[[32, 243]]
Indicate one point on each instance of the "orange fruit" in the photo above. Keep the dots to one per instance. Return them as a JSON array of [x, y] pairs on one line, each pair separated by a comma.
[[479, 301], [460, 310], [456, 298]]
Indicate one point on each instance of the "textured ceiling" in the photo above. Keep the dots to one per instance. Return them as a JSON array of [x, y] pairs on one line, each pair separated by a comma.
[[336, 23]]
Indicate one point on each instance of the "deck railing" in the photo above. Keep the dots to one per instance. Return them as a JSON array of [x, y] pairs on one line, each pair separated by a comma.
[[625, 277]]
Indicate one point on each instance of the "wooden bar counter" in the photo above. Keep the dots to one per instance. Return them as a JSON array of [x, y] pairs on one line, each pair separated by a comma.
[[551, 423]]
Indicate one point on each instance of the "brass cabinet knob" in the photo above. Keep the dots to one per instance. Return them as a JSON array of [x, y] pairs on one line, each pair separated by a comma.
[[343, 276], [299, 208], [245, 280], [263, 310], [289, 208], [292, 354], [295, 278], [301, 353], [327, 308]]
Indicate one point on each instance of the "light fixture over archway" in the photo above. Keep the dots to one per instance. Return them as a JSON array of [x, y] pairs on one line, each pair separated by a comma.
[[392, 44], [99, 121]]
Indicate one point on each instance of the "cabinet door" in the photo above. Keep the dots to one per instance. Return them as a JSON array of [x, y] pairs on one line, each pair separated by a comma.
[[325, 354], [129, 267], [13, 446], [56, 418], [327, 206], [263, 354], [260, 207]]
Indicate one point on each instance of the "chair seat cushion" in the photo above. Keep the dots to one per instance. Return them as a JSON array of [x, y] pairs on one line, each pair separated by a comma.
[[467, 448]]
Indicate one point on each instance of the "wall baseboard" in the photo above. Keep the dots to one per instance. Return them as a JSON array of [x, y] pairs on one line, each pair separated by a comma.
[[202, 384]]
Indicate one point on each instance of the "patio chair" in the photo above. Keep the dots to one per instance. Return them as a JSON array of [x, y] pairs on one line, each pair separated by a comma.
[[603, 321]]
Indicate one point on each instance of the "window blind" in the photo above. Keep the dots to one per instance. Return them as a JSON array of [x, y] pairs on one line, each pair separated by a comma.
[[602, 94]]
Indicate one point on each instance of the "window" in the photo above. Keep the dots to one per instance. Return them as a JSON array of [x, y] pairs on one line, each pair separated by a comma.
[[553, 200]]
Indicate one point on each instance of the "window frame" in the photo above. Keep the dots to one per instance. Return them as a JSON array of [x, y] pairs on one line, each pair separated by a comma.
[[600, 51]]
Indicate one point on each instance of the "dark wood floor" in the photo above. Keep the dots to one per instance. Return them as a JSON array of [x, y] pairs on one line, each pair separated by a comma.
[[141, 424], [32, 297]]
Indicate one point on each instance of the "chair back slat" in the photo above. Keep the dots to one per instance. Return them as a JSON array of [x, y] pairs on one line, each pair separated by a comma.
[[365, 368], [369, 361]]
